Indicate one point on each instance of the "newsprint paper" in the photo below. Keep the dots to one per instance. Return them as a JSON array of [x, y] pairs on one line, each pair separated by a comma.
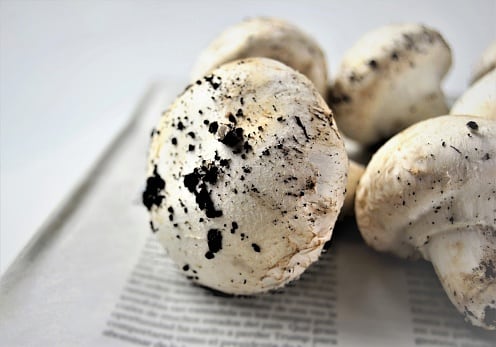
[[96, 276]]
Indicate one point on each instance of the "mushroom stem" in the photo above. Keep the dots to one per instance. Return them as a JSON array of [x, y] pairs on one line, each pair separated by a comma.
[[355, 171], [465, 261]]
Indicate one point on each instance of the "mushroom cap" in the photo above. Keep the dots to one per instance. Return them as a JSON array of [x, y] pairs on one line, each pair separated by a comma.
[[390, 79], [266, 37], [480, 99], [486, 63], [430, 192], [254, 174]]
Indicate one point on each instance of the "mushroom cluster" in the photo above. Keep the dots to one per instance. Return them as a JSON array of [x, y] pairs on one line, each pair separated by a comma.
[[430, 192], [248, 173]]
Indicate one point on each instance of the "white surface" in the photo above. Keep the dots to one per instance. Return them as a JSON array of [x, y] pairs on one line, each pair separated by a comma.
[[72, 71]]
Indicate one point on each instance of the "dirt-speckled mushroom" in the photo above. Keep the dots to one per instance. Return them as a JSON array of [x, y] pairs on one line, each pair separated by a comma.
[[480, 99], [246, 177], [486, 63], [430, 192], [390, 79], [266, 37]]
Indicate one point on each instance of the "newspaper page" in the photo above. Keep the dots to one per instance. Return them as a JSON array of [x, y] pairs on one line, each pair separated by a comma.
[[96, 276]]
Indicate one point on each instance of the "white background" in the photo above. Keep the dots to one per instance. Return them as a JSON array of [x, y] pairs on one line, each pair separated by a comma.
[[71, 73]]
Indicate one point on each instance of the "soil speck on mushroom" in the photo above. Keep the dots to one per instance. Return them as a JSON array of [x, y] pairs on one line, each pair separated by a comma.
[[152, 194], [214, 240]]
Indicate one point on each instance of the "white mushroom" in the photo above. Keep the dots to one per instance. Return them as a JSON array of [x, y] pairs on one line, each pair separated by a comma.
[[246, 177], [480, 99], [390, 79], [266, 37], [486, 63], [355, 171], [430, 192]]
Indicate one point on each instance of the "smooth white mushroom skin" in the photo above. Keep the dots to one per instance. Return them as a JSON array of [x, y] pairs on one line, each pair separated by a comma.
[[270, 38], [390, 79], [486, 63], [246, 177], [430, 192], [480, 99]]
